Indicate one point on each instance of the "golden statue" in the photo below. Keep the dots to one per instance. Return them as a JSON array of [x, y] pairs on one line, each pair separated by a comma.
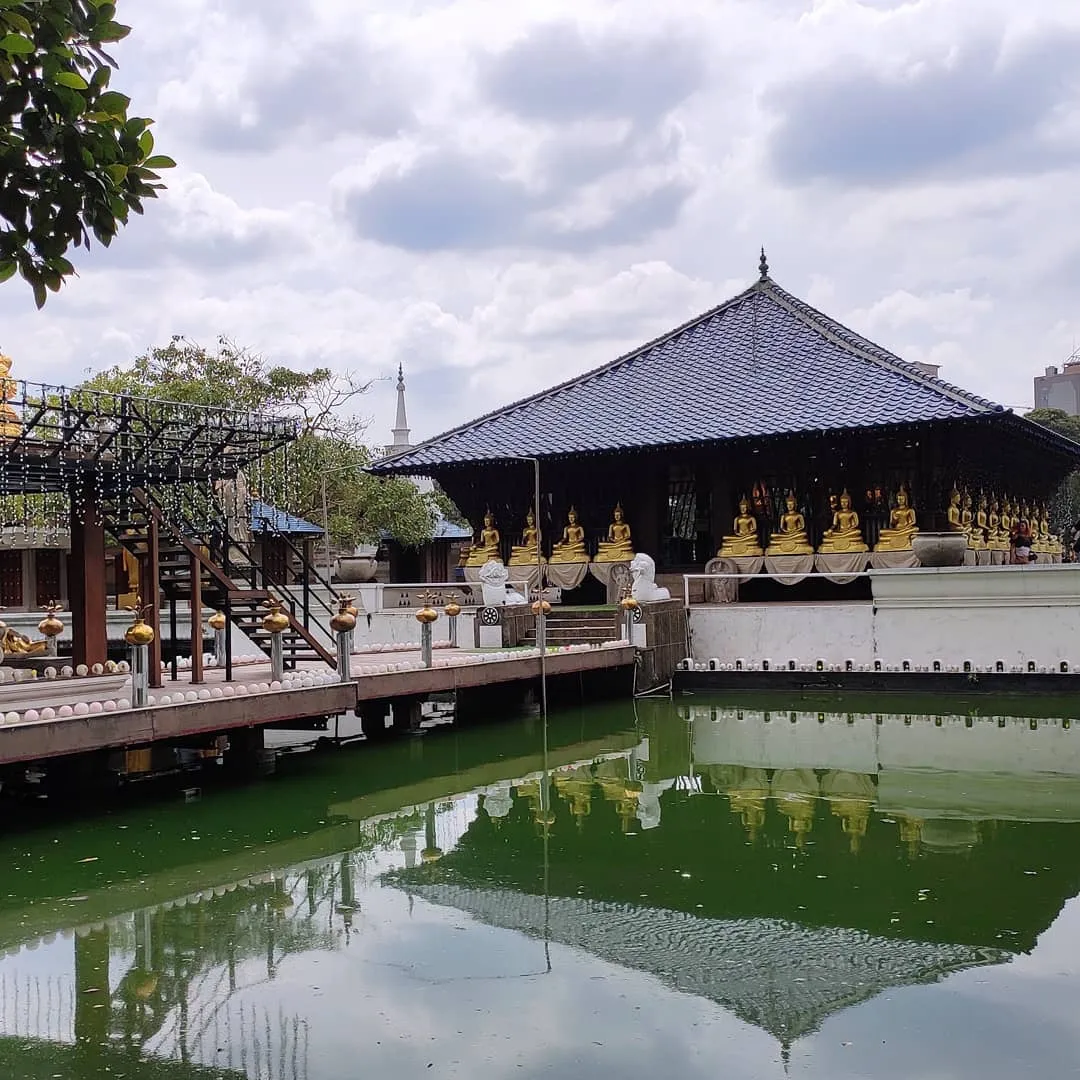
[[744, 541], [571, 549], [982, 523], [901, 528], [617, 547], [525, 553], [954, 514], [845, 534], [10, 426], [16, 644], [1007, 520], [488, 548], [996, 538], [967, 523], [791, 538]]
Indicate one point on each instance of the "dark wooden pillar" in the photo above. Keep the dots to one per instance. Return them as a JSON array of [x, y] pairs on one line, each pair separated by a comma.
[[86, 585], [152, 595], [196, 621]]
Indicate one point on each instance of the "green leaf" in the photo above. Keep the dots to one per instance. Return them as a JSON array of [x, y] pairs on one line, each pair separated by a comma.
[[112, 31], [72, 79], [39, 293], [118, 173], [146, 143], [113, 103], [17, 45], [159, 161], [7, 269]]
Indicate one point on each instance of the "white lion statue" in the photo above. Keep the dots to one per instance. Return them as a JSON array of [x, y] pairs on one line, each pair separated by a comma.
[[644, 588], [493, 577]]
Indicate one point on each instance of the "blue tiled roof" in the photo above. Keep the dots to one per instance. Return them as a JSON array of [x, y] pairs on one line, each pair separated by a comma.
[[265, 517], [763, 363]]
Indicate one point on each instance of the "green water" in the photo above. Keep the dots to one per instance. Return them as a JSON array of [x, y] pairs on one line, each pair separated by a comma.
[[707, 888]]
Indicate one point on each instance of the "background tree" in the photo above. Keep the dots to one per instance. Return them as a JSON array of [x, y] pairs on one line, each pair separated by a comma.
[[72, 162], [331, 445], [1065, 507]]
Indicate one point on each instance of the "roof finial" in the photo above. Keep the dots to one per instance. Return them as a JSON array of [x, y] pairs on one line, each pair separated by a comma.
[[401, 423], [400, 376], [763, 266]]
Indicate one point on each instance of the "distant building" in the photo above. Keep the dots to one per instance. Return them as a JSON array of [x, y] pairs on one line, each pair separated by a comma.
[[1060, 388]]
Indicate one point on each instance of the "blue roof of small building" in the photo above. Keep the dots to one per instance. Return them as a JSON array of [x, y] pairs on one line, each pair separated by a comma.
[[763, 363], [267, 518]]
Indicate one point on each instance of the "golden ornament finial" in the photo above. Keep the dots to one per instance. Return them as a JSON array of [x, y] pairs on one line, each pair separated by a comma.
[[10, 425]]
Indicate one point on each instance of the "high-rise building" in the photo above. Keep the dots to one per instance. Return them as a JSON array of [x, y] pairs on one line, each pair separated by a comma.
[[1060, 388]]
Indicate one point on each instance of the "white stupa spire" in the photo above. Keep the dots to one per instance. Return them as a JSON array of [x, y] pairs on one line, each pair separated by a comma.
[[401, 422]]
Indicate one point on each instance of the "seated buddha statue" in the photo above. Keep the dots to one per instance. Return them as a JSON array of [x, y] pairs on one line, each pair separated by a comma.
[[790, 538], [844, 534], [901, 528], [571, 548], [967, 523], [617, 547], [744, 540], [525, 553], [996, 540], [1007, 520], [487, 548], [982, 523], [954, 513], [15, 644]]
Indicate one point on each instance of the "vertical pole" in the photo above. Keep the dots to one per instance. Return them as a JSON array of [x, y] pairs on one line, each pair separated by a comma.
[[344, 655], [541, 622], [219, 646], [305, 571], [196, 621], [425, 644], [453, 630], [174, 663], [87, 585], [277, 658], [228, 639], [153, 597], [326, 529], [140, 676]]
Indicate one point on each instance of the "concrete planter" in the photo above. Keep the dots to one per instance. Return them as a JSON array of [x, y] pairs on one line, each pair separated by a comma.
[[356, 569], [940, 548]]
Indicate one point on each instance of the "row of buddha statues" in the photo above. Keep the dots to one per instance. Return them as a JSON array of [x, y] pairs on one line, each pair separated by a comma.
[[843, 535], [571, 548], [989, 523]]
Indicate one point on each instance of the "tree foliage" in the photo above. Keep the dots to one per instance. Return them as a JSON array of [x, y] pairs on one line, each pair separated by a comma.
[[1065, 508], [1057, 420], [330, 447], [72, 161]]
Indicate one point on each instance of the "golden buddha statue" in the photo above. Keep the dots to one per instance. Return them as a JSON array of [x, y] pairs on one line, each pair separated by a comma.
[[996, 539], [791, 538], [744, 541], [16, 644], [967, 523], [488, 548], [1007, 519], [571, 548], [954, 514], [901, 528], [10, 426], [982, 521], [525, 553], [617, 547], [845, 534]]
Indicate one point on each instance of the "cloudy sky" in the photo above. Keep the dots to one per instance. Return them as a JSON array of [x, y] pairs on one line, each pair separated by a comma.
[[501, 195]]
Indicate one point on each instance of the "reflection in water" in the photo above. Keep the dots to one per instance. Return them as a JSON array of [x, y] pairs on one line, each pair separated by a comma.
[[783, 866]]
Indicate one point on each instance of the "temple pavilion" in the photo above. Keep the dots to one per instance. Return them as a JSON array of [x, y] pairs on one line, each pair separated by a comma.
[[762, 397]]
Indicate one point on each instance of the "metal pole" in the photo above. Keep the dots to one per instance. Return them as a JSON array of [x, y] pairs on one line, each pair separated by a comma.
[[140, 676], [344, 655], [326, 528], [425, 644], [541, 623], [277, 658], [453, 630], [219, 646]]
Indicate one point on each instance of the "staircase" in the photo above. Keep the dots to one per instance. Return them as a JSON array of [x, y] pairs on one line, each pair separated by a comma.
[[231, 580], [587, 626]]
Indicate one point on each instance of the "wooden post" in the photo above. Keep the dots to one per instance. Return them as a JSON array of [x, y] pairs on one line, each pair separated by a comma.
[[196, 621], [151, 584], [86, 587]]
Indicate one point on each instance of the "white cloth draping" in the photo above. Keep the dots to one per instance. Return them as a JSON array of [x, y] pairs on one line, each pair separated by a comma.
[[789, 569], [524, 576], [998, 558], [566, 575], [841, 567], [602, 570], [969, 557], [982, 557], [894, 560]]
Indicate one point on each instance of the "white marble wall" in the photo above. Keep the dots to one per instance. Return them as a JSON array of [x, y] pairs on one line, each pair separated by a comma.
[[981, 614]]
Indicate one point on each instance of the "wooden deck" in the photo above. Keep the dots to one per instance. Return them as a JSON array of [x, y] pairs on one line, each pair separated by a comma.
[[26, 741]]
